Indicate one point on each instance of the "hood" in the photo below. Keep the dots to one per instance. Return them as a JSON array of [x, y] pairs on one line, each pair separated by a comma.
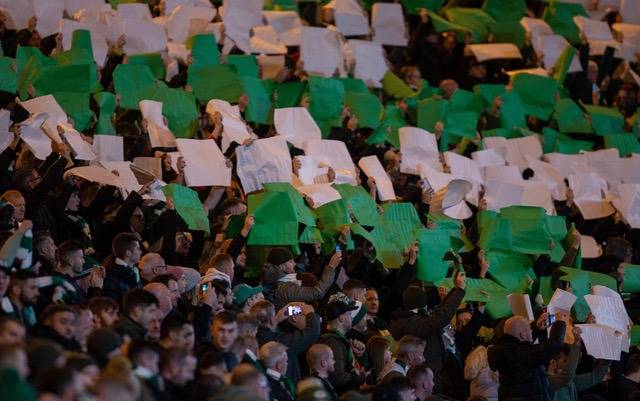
[[272, 274]]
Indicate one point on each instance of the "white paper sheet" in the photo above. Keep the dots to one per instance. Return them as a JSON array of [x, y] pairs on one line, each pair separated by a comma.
[[135, 11], [518, 149], [18, 13], [567, 164], [370, 62], [502, 193], [151, 110], [143, 37], [5, 139], [234, 128], [350, 18], [296, 125], [48, 108], [99, 34], [601, 341], [310, 171], [551, 47], [372, 167], [49, 13], [95, 174], [108, 148], [628, 204], [587, 186], [81, 148], [387, 23], [608, 311], [178, 51], [239, 17], [270, 66], [320, 50], [493, 51], [287, 24], [179, 21], [630, 11], [562, 300], [520, 305], [537, 27], [38, 142], [589, 248], [593, 29], [126, 176], [606, 162], [550, 176], [463, 167], [264, 40], [417, 146], [265, 160], [204, 163], [5, 120], [490, 157], [335, 154], [499, 173], [320, 194], [437, 180]]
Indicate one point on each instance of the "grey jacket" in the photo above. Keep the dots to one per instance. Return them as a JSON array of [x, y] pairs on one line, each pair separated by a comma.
[[286, 292]]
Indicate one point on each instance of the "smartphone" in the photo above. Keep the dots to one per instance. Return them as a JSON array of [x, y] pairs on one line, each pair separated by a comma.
[[338, 248], [552, 319], [294, 310], [205, 287]]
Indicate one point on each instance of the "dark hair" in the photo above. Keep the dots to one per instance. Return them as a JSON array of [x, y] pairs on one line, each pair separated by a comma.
[[40, 236], [76, 361], [52, 309], [22, 276], [171, 356], [99, 304], [229, 203], [66, 248], [163, 279], [352, 284], [225, 317], [389, 390], [55, 380], [416, 372], [140, 347], [171, 324], [211, 358], [122, 243], [4, 320], [527, 173], [633, 364], [137, 297]]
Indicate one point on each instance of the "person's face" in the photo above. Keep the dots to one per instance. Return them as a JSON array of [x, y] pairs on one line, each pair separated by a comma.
[[237, 210], [184, 338], [29, 292], [261, 388], [47, 248], [135, 253], [63, 324], [428, 382], [224, 334], [347, 321], [13, 333], [462, 320], [153, 325], [174, 292], [33, 180], [5, 279], [137, 221], [19, 207], [288, 267], [415, 358], [88, 377], [357, 294], [75, 260], [188, 369], [84, 325], [242, 257], [331, 362], [371, 301], [449, 43], [183, 242], [407, 395], [22, 364], [107, 317], [387, 355], [73, 203], [143, 315]]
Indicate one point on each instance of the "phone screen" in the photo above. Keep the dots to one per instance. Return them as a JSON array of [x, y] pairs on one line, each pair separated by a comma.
[[293, 310]]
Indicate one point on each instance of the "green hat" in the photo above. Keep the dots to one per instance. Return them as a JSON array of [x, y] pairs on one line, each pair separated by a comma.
[[242, 292]]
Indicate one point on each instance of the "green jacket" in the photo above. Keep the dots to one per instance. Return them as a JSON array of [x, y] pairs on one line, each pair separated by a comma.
[[566, 385]]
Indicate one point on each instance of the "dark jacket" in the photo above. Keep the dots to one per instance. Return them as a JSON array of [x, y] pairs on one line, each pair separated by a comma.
[[285, 292], [125, 326], [297, 342], [42, 331], [429, 328], [344, 377], [118, 280], [520, 365], [279, 391]]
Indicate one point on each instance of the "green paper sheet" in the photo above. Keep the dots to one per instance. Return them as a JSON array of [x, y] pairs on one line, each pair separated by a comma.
[[333, 216], [475, 19], [581, 282], [303, 212], [502, 132], [366, 107], [214, 82], [204, 50], [537, 94], [561, 67], [276, 222], [442, 25], [414, 6], [8, 75], [259, 109], [246, 65], [512, 113], [605, 120], [354, 85], [555, 141], [560, 15], [489, 92], [151, 60], [571, 118], [484, 290], [188, 206], [395, 87], [107, 106], [432, 245], [631, 281], [635, 335], [67, 78], [76, 105], [359, 202], [289, 94], [180, 109], [508, 32], [505, 10], [133, 83], [626, 143], [461, 123], [327, 98], [509, 269], [431, 111]]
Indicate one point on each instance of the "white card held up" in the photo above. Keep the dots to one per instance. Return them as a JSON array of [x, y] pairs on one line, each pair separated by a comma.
[[589, 248], [38, 142], [601, 342], [81, 148], [320, 194], [549, 175], [320, 49], [151, 110], [387, 23], [18, 13], [561, 300], [310, 171], [350, 18], [239, 17], [128, 180], [334, 154], [567, 164], [5, 120], [108, 148], [628, 204], [143, 37], [287, 24], [370, 62], [98, 31], [296, 125], [498, 173], [180, 18], [49, 13], [588, 190], [204, 163], [489, 157], [160, 137], [372, 167], [463, 167], [551, 46], [493, 51], [435, 179], [608, 311], [135, 11], [263, 161], [234, 128], [264, 40], [417, 146], [151, 165], [95, 173], [270, 66], [50, 110], [520, 305]]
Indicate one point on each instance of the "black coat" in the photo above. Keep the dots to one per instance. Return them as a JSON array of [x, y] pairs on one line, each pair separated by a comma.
[[521, 365], [118, 280]]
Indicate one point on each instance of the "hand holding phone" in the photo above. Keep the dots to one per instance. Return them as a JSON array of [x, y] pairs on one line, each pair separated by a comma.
[[293, 310]]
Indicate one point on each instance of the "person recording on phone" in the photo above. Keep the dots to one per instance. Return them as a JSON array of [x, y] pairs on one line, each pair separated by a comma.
[[296, 326]]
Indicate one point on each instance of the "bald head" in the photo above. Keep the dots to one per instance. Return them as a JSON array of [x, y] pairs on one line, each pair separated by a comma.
[[163, 294], [518, 327], [151, 265], [317, 353], [448, 88]]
